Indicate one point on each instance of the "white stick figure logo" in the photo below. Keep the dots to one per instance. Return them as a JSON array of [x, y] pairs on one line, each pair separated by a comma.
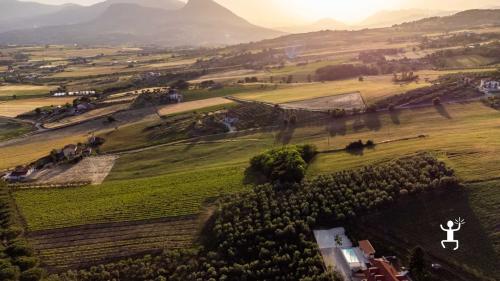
[[450, 232]]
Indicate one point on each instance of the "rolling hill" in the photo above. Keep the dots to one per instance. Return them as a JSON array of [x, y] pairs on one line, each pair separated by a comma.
[[461, 20], [199, 22], [391, 17]]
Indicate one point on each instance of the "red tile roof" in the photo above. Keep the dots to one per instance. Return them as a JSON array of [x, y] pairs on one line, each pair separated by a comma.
[[382, 270], [366, 247]]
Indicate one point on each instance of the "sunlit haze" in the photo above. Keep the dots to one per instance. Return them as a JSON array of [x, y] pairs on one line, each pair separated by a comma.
[[290, 12]]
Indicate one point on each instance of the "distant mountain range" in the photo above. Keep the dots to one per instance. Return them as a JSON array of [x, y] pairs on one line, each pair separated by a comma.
[[199, 22], [49, 15], [391, 17]]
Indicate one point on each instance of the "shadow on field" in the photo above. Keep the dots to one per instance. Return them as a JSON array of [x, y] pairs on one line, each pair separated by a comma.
[[337, 127], [443, 112], [416, 221], [372, 121], [395, 116], [285, 134]]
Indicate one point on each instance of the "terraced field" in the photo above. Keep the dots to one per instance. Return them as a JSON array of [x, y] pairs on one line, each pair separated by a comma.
[[76, 247]]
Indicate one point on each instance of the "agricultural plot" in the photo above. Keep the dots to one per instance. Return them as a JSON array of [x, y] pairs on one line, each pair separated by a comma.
[[76, 247], [349, 101], [372, 88], [91, 169], [12, 128], [13, 108], [93, 114], [190, 106], [23, 91]]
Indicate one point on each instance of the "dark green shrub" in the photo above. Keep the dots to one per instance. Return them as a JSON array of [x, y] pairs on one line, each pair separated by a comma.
[[26, 263], [8, 272], [33, 274], [280, 165], [307, 151]]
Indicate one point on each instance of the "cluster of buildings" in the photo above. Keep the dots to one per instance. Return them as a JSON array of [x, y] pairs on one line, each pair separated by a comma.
[[75, 93], [489, 86], [69, 152], [355, 263]]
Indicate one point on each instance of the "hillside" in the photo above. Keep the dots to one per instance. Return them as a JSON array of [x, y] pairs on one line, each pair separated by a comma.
[[13, 9], [392, 17], [200, 22], [74, 14], [465, 19]]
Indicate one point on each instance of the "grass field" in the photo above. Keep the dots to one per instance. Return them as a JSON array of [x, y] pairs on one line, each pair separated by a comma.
[[468, 61], [11, 129], [23, 91], [14, 108]]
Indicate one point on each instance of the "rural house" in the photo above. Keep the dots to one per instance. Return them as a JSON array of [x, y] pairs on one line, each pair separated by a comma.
[[175, 96], [489, 86], [354, 263], [20, 173], [69, 151]]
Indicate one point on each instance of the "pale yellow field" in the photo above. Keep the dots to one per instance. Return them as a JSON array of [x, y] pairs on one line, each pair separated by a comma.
[[13, 108], [192, 105], [20, 90], [372, 89]]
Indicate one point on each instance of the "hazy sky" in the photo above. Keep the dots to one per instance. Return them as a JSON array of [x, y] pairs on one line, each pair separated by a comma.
[[287, 12]]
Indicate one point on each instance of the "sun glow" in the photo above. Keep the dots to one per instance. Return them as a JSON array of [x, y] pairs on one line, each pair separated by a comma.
[[349, 11]]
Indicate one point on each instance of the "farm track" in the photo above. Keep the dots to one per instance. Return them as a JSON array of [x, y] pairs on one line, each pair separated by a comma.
[[82, 246]]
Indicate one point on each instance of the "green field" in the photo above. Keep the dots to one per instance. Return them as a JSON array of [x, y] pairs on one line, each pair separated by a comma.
[[11, 129]]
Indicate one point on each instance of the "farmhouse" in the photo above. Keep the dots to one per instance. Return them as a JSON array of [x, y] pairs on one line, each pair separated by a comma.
[[75, 93], [20, 173], [489, 86], [175, 96], [354, 263], [69, 151]]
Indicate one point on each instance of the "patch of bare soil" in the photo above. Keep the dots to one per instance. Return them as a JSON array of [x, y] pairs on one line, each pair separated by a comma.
[[348, 101], [90, 169]]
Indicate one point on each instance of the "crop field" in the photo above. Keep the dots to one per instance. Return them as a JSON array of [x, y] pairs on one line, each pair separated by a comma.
[[468, 61], [15, 108], [96, 113], [344, 101], [23, 91], [12, 128], [77, 247], [372, 89], [191, 105], [171, 195], [24, 153]]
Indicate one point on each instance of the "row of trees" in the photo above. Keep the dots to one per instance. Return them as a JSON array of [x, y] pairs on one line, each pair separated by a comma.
[[17, 260], [265, 234]]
